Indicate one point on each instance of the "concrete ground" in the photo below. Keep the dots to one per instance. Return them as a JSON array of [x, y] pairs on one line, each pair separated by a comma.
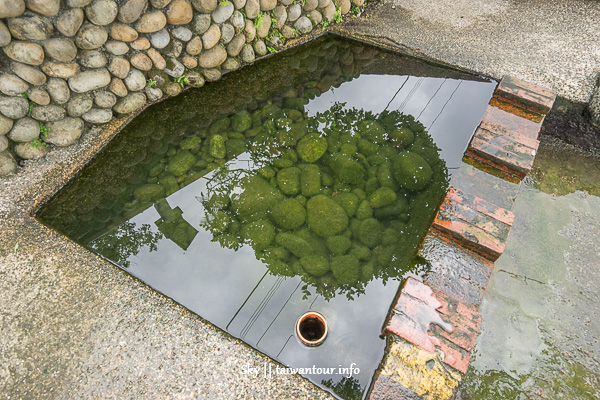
[[74, 326]]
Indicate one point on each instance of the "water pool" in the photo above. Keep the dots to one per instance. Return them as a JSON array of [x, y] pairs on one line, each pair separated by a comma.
[[304, 182]]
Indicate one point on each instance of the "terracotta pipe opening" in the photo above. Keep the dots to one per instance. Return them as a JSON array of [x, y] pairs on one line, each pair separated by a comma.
[[311, 328]]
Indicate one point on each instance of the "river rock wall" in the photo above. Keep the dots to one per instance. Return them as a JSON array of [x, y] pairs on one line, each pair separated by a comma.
[[67, 65]]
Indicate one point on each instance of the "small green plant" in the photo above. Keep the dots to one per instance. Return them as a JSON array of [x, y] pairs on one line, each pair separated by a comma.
[[296, 32], [182, 80], [29, 101], [38, 142], [325, 24], [337, 16], [259, 20], [224, 3], [151, 82], [44, 130], [271, 49]]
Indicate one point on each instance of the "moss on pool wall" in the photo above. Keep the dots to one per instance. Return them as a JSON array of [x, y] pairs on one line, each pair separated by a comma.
[[68, 65]]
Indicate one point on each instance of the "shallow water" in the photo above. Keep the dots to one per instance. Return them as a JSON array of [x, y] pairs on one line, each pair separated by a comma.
[[189, 197], [540, 317]]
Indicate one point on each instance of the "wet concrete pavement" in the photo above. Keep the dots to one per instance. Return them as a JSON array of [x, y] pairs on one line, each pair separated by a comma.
[[74, 326]]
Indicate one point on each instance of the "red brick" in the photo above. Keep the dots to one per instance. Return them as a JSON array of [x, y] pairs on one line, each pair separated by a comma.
[[481, 205], [503, 149], [512, 122], [418, 319], [526, 95], [467, 223]]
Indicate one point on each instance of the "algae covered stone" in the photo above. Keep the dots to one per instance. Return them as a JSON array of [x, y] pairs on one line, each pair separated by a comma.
[[315, 265], [370, 232], [338, 245], [257, 197], [289, 214], [382, 197], [411, 171], [217, 147], [259, 233], [241, 121], [348, 201], [346, 169], [310, 180], [288, 180], [401, 137], [181, 163], [149, 192], [295, 244], [311, 147], [325, 216], [372, 131], [346, 269]]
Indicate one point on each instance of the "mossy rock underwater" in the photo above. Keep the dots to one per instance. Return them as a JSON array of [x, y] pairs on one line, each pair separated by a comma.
[[340, 206]]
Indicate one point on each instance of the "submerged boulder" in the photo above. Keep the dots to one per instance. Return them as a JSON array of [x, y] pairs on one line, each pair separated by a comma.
[[288, 180], [312, 147], [346, 269], [259, 233], [411, 171], [181, 163], [325, 216], [315, 265], [289, 214], [257, 198]]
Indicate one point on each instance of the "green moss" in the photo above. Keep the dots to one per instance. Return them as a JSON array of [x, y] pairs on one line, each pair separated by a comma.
[[382, 197], [411, 171], [364, 210], [396, 209], [372, 185], [361, 252], [390, 237], [181, 162], [234, 147], [315, 265], [294, 115], [296, 103], [348, 149], [217, 146], [338, 245], [348, 201], [191, 143], [259, 233], [282, 162], [372, 131], [299, 129], [346, 269], [269, 111], [285, 138], [312, 147], [326, 178], [283, 124], [325, 216], [346, 169], [384, 176], [360, 193], [289, 214], [370, 232], [401, 137], [219, 126], [257, 197], [310, 180], [267, 172], [295, 244], [367, 148], [316, 242], [169, 182], [156, 170], [241, 121], [149, 192], [277, 252], [288, 180]]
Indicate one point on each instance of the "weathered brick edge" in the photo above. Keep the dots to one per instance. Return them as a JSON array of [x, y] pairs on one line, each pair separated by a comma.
[[425, 314], [506, 139]]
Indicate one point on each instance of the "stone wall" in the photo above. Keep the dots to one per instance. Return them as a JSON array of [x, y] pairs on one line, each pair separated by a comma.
[[66, 65]]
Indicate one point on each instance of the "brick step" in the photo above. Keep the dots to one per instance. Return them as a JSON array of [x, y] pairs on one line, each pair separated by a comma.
[[433, 320], [503, 149], [473, 223], [525, 95]]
